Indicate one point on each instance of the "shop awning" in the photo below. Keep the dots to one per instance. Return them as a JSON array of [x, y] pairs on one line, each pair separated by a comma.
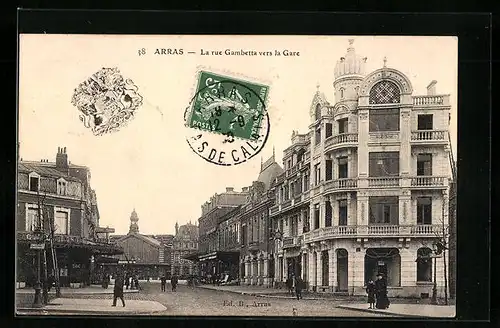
[[68, 241], [221, 255]]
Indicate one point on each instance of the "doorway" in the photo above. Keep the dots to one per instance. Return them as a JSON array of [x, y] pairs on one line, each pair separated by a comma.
[[325, 268], [342, 270]]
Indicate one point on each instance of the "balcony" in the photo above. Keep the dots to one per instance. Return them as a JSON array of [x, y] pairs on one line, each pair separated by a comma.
[[381, 182], [338, 232], [286, 204], [341, 140], [384, 137], [430, 101], [426, 137], [341, 184], [426, 182], [290, 242], [274, 209]]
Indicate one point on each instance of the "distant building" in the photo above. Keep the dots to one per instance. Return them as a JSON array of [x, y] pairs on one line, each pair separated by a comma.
[[58, 197], [212, 260], [143, 255], [185, 242], [257, 242]]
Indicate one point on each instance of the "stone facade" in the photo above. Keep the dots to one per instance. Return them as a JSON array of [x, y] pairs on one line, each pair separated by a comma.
[[377, 194], [185, 242]]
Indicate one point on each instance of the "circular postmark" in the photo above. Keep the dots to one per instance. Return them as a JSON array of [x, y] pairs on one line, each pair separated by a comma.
[[106, 101], [226, 120]]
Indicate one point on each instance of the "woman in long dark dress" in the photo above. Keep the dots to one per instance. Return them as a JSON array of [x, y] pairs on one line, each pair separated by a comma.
[[381, 292]]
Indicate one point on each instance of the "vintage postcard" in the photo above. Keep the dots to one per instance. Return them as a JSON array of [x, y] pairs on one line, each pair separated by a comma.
[[211, 175]]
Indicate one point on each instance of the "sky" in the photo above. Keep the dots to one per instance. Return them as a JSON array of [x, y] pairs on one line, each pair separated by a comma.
[[148, 165]]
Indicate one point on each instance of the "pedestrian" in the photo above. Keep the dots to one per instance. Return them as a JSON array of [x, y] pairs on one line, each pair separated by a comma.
[[381, 292], [104, 281], [127, 281], [289, 285], [136, 283], [174, 282], [299, 285], [370, 290], [118, 290], [50, 283], [163, 280]]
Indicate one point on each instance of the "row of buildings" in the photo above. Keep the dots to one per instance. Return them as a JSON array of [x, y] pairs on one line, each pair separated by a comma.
[[151, 256], [365, 190], [58, 219]]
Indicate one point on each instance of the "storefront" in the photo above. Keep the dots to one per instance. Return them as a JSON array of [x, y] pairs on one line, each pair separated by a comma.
[[219, 263], [75, 259]]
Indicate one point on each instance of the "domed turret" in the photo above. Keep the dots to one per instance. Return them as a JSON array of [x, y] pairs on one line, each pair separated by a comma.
[[351, 64], [349, 73]]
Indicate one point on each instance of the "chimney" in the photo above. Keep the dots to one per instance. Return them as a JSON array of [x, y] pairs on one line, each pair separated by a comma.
[[62, 160], [229, 189], [431, 88]]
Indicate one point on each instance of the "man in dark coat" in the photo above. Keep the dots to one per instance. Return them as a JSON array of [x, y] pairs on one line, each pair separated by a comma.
[[381, 292], [299, 285], [289, 285], [127, 281], [118, 290], [174, 282], [163, 281]]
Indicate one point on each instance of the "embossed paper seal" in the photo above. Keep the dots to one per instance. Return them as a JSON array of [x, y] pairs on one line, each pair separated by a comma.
[[107, 101], [226, 119]]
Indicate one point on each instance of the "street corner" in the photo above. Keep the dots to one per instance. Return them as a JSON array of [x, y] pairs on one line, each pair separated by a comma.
[[80, 306]]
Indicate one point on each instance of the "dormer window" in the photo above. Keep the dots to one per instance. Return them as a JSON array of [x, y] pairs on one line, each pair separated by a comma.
[[34, 181], [61, 187]]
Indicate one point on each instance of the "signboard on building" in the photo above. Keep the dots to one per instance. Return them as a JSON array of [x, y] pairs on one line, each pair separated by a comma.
[[37, 246]]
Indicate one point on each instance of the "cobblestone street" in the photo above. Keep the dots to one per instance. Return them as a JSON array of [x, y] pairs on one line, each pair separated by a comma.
[[188, 301]]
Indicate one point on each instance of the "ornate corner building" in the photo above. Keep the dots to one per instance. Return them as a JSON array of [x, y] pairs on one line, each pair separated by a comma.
[[57, 214], [367, 189]]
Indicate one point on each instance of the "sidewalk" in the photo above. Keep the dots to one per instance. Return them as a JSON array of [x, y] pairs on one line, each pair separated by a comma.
[[244, 290], [407, 310], [79, 306], [92, 289]]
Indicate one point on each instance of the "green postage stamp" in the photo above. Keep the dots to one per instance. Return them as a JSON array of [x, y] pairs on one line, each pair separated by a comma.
[[228, 106]]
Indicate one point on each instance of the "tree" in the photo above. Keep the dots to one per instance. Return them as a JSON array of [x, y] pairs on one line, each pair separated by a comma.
[[48, 228], [440, 244]]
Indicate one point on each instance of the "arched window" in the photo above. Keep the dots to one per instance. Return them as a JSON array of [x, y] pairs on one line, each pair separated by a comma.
[[317, 114], [342, 93], [385, 92], [424, 264]]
